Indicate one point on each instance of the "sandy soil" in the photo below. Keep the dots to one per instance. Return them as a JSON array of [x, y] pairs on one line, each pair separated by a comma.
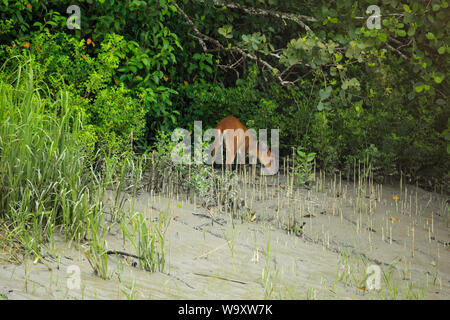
[[338, 234]]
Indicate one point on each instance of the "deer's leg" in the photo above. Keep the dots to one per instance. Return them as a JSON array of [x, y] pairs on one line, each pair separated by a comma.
[[230, 146], [216, 147], [241, 147]]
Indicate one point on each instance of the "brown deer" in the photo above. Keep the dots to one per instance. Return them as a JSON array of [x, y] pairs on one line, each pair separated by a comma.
[[239, 139]]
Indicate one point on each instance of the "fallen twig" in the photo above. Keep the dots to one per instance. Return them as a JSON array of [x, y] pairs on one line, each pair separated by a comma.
[[221, 278], [214, 250]]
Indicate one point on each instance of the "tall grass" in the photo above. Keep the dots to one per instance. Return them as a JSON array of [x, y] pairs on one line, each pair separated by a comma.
[[47, 180], [44, 180]]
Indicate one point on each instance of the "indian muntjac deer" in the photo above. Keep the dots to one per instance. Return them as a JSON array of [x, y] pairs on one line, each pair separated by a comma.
[[239, 139]]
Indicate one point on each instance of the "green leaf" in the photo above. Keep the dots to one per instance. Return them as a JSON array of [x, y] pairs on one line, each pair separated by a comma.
[[325, 93], [440, 102], [401, 33], [437, 79], [207, 68], [226, 31], [430, 36], [320, 106], [382, 36], [411, 31], [333, 72]]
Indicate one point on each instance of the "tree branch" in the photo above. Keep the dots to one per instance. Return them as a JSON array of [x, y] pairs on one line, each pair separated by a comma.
[[192, 25], [297, 18], [397, 51], [203, 37]]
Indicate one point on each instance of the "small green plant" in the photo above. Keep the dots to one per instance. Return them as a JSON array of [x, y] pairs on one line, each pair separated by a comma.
[[214, 188], [296, 228], [311, 294], [145, 242], [303, 167], [160, 167], [268, 275], [130, 290], [97, 252], [391, 280]]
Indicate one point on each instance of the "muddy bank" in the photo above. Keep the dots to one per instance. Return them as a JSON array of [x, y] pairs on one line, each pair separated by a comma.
[[292, 243]]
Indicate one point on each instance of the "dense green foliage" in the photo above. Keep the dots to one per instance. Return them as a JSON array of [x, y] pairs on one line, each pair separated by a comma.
[[52, 181], [312, 69], [43, 164]]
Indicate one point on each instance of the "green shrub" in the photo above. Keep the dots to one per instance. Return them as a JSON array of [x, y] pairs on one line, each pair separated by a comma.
[[117, 117], [214, 188], [303, 166]]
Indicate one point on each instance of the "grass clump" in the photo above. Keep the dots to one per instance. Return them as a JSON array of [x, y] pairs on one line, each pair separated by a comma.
[[215, 189], [52, 181], [44, 176]]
